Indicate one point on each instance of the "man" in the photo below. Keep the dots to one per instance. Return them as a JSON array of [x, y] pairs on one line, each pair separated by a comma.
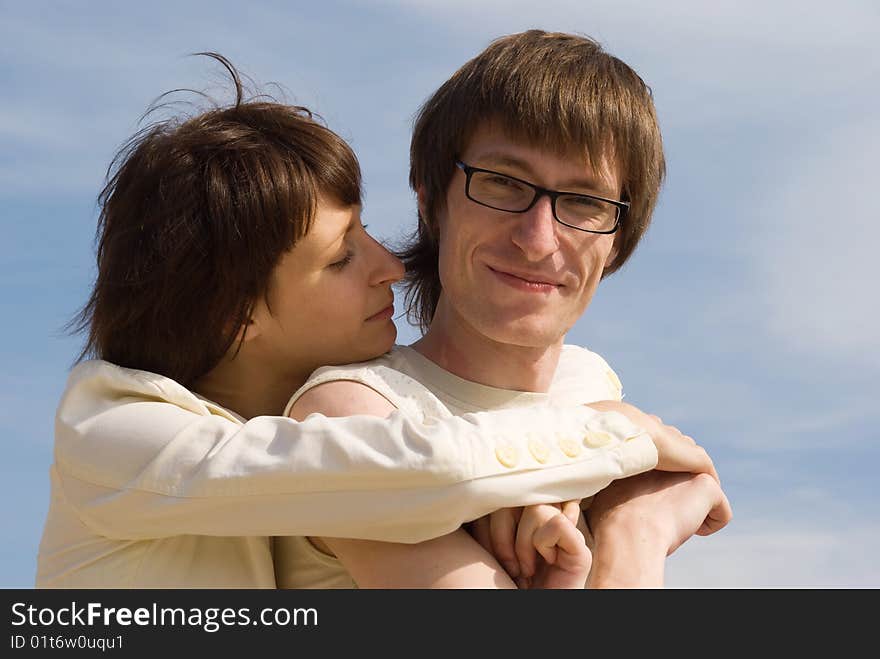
[[232, 263], [537, 167]]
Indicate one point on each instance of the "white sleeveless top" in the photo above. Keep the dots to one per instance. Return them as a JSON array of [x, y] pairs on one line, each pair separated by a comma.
[[420, 388]]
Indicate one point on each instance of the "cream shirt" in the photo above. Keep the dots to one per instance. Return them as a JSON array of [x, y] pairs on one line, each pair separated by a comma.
[[154, 486], [422, 390]]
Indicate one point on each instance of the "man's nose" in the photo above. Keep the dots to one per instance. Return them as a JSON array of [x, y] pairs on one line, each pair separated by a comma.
[[535, 231]]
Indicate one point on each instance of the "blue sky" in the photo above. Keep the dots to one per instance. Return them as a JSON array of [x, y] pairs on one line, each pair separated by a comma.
[[745, 317]]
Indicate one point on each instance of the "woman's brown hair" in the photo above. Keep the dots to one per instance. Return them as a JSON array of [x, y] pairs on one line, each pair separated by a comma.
[[558, 91], [196, 213]]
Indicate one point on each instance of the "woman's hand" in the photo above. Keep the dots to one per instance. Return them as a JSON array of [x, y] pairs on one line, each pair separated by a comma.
[[562, 560], [675, 450], [548, 551]]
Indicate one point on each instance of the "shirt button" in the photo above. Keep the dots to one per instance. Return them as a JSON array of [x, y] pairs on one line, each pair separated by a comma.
[[597, 438], [570, 447], [507, 455], [539, 449]]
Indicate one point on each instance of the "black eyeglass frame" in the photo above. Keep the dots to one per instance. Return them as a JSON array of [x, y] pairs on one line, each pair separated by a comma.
[[622, 206]]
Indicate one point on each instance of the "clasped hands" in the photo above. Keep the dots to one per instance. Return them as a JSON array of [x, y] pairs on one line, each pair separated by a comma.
[[624, 536]]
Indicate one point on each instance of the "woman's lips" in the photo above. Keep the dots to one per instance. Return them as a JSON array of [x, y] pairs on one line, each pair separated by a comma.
[[385, 314]]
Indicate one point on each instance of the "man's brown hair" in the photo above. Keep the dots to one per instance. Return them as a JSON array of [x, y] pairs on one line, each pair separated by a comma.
[[196, 213], [554, 90]]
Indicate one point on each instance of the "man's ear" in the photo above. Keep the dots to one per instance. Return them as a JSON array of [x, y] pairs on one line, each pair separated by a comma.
[[612, 254], [422, 202], [432, 230]]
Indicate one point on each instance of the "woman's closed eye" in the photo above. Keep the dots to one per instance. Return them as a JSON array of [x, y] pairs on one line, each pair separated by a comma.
[[344, 261]]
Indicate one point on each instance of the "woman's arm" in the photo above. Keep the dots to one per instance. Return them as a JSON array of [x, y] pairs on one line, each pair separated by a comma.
[[455, 560], [498, 532], [139, 456]]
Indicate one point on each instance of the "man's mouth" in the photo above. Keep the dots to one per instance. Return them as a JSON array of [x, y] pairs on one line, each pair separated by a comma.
[[527, 281]]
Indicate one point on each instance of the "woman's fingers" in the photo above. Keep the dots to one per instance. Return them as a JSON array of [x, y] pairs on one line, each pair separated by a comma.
[[502, 534], [562, 546], [572, 510], [675, 451], [533, 518], [679, 453]]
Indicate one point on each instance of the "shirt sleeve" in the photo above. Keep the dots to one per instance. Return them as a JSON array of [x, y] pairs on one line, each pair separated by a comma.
[[134, 465], [584, 376]]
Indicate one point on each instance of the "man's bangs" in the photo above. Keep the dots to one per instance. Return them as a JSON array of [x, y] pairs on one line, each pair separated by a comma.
[[563, 116]]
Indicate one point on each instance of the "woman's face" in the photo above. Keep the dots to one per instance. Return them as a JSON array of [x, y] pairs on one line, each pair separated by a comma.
[[330, 299]]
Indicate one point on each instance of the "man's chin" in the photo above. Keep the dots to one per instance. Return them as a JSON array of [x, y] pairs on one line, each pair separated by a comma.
[[524, 332]]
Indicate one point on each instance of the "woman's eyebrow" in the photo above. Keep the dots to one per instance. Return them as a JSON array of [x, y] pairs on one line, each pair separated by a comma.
[[333, 244]]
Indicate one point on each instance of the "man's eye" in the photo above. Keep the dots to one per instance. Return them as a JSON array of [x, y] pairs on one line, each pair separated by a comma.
[[585, 202], [504, 182]]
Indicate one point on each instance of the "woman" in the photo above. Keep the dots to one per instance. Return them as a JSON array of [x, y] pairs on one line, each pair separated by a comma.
[[231, 264]]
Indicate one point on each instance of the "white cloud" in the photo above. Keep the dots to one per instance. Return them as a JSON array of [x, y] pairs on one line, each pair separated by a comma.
[[716, 41], [736, 414], [779, 556], [750, 22], [803, 535], [819, 264]]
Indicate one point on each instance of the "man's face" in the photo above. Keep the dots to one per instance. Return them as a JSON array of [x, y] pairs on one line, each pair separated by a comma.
[[521, 278]]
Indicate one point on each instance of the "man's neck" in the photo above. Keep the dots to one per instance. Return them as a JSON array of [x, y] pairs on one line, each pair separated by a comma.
[[457, 347], [248, 388]]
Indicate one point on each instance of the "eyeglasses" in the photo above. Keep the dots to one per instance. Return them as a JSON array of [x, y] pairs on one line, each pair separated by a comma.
[[583, 212]]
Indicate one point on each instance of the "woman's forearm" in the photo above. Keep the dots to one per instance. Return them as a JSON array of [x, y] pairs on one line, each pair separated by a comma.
[[452, 561], [138, 456]]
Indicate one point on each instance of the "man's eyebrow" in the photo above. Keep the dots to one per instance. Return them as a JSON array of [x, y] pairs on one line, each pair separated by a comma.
[[501, 159]]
